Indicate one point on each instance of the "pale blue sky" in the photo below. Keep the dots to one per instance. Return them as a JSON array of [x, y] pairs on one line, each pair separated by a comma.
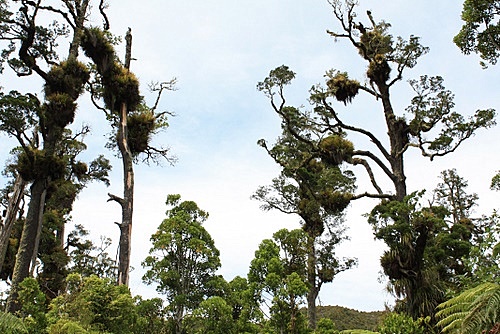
[[219, 50]]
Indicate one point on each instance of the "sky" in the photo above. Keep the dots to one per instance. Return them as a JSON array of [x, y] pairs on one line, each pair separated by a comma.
[[219, 50]]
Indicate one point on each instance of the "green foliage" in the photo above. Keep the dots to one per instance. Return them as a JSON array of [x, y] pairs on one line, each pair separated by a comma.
[[277, 272], [64, 326], [325, 326], [495, 182], [395, 323], [481, 30], [88, 259], [94, 304], [183, 258], [345, 318], [434, 104], [473, 311], [151, 316], [18, 113], [10, 324], [33, 306], [214, 316]]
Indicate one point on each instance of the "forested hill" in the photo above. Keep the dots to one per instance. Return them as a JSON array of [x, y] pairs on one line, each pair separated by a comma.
[[346, 318]]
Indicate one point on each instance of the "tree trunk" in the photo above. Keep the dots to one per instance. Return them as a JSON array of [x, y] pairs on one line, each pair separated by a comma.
[[27, 242], [127, 203], [311, 279], [397, 129], [10, 216]]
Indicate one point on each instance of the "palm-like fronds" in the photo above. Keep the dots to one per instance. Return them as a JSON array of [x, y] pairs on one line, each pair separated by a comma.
[[10, 324], [472, 311]]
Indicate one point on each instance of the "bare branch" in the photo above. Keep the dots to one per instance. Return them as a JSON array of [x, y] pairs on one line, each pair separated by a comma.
[[115, 198]]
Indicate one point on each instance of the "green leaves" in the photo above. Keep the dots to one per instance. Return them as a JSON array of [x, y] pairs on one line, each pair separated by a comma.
[[473, 311], [432, 111], [481, 30], [278, 78], [183, 258]]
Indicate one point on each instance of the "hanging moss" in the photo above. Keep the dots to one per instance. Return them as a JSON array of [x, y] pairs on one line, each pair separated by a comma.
[[335, 201], [335, 149], [139, 129], [35, 164], [97, 47], [391, 266], [378, 70], [59, 109], [68, 77], [375, 42], [342, 88], [121, 87]]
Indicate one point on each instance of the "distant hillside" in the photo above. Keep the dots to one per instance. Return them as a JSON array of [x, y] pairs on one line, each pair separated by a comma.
[[345, 318]]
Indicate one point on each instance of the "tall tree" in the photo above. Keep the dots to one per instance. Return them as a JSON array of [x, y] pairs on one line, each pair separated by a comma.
[[317, 192], [429, 124], [63, 84], [134, 123], [183, 259]]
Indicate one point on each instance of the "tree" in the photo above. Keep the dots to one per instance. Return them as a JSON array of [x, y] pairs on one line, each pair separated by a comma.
[[215, 317], [480, 31], [64, 83], [94, 304], [87, 258], [429, 123], [317, 192], [183, 259], [278, 275], [134, 123]]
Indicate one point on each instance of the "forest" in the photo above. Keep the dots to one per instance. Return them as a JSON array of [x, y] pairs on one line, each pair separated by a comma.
[[109, 222]]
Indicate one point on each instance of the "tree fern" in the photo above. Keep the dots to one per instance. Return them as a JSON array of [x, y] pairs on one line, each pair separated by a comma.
[[10, 324], [472, 311]]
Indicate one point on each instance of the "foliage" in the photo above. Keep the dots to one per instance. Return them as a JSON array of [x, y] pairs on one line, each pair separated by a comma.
[[278, 275], [472, 311], [183, 258], [10, 324], [33, 306], [325, 326], [429, 124], [214, 316], [395, 323], [88, 259], [345, 318], [151, 316], [481, 30], [94, 304]]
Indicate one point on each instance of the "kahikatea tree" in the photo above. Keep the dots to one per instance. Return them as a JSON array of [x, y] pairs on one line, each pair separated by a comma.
[[63, 84], [318, 193], [183, 259], [429, 124], [134, 124], [480, 32]]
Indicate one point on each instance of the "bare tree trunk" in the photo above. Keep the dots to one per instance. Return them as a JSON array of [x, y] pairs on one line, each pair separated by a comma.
[[27, 242], [127, 203], [10, 215]]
